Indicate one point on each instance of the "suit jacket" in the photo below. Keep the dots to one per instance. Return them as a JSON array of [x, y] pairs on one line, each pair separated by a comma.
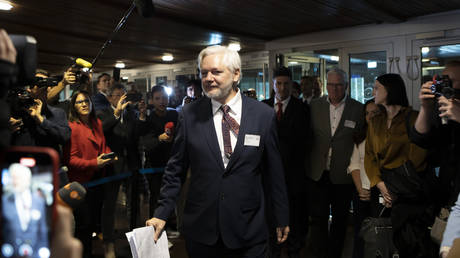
[[121, 137], [81, 152], [100, 101], [53, 132], [341, 143], [225, 202], [36, 234], [294, 139]]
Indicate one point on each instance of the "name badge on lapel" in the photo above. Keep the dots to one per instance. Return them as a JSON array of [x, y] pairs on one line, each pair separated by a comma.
[[252, 140], [350, 124]]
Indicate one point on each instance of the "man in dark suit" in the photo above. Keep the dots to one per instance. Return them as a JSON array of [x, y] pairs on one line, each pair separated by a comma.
[[119, 125], [226, 139], [293, 124], [100, 99], [24, 227], [334, 119]]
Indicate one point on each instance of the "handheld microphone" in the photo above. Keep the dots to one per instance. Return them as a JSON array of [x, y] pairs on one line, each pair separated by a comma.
[[145, 7], [169, 128], [71, 195]]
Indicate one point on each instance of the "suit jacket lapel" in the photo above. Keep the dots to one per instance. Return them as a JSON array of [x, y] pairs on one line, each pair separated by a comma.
[[345, 114], [326, 116], [210, 131], [245, 113]]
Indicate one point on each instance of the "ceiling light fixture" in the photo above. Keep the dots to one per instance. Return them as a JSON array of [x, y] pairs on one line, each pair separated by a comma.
[[167, 58], [5, 6], [425, 50], [120, 65], [234, 46]]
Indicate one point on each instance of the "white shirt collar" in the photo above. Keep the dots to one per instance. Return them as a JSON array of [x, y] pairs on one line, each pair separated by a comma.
[[285, 102], [234, 104], [341, 102]]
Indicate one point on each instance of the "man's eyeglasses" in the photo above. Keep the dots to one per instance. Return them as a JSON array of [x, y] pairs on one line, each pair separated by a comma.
[[335, 85], [86, 101]]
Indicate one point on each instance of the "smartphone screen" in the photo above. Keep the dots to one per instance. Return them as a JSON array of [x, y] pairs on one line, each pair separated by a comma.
[[28, 191]]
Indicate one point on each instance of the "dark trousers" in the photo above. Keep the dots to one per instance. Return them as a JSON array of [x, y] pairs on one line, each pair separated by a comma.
[[219, 250], [361, 210], [87, 216], [298, 225], [108, 210], [326, 198], [155, 180]]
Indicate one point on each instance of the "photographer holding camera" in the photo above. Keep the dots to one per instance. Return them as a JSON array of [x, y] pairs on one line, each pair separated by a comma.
[[34, 123], [63, 243], [437, 128]]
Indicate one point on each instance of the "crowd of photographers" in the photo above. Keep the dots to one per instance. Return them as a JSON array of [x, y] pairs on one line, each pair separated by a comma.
[[96, 132], [86, 128]]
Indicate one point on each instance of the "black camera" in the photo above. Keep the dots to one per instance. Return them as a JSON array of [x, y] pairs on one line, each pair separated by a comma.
[[19, 101], [26, 59], [442, 86], [46, 82]]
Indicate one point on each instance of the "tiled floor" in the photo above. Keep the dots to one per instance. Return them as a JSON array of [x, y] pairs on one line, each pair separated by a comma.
[[178, 250]]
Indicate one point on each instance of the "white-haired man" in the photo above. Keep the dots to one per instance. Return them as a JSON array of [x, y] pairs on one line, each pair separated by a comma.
[[230, 143]]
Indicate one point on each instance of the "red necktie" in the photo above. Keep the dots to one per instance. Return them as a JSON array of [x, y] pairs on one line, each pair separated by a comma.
[[228, 123], [279, 113]]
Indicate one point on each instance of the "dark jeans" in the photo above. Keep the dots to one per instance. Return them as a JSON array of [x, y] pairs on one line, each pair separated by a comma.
[[298, 225], [326, 198], [87, 216], [219, 250]]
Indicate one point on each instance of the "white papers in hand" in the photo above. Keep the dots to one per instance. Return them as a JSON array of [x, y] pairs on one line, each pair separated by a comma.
[[142, 244]]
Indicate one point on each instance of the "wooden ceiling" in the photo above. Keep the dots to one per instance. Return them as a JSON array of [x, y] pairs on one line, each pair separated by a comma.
[[78, 28]]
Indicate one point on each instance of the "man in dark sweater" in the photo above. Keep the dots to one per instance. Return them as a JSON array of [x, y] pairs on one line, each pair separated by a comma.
[[156, 140]]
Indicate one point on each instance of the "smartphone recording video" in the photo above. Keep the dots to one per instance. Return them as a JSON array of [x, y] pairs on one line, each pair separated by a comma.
[[28, 189]]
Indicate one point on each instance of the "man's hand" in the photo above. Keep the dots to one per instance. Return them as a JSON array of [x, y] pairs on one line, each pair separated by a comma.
[[69, 77], [282, 234], [7, 50], [158, 225], [164, 137], [15, 124], [426, 97], [35, 111], [449, 108], [63, 244], [121, 105]]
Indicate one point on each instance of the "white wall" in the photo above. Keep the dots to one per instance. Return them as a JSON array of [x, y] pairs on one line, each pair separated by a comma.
[[401, 40]]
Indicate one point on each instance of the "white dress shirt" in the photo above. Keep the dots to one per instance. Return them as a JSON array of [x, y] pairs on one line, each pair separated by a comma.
[[285, 103], [357, 163], [23, 202], [235, 105], [335, 114]]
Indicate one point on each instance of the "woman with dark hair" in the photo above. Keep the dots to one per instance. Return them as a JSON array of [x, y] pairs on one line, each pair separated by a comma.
[[362, 195], [83, 155], [388, 147]]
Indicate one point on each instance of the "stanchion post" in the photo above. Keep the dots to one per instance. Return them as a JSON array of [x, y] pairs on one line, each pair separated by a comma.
[[134, 198]]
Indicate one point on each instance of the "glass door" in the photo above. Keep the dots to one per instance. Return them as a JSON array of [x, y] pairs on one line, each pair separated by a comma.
[[364, 65]]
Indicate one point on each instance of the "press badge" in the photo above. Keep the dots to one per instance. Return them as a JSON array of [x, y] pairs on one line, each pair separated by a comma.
[[350, 124], [252, 140]]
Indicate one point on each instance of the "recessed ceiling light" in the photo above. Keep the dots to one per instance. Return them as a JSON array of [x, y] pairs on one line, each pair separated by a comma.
[[5, 6], [167, 57], [120, 65]]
